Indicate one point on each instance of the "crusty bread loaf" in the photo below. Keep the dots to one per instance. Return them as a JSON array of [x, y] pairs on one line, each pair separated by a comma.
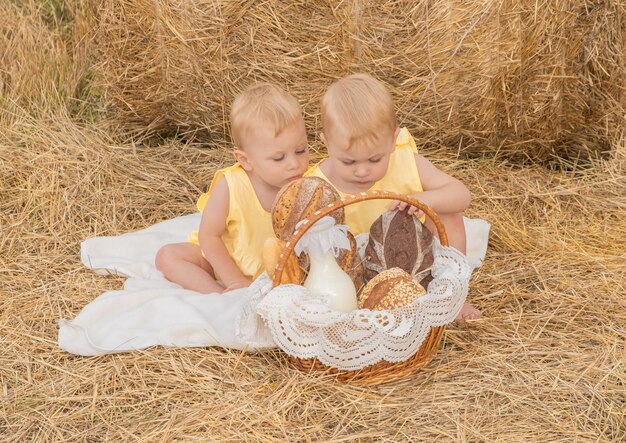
[[292, 273], [299, 200], [390, 289], [399, 240]]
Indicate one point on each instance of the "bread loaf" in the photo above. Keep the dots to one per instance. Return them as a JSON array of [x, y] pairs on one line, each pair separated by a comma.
[[300, 199], [399, 240], [292, 273], [388, 290]]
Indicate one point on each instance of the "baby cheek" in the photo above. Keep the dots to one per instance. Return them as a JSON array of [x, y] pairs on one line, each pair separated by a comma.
[[348, 171]]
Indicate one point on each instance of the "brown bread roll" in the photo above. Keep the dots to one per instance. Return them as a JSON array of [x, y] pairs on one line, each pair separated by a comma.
[[390, 289], [399, 240], [292, 273], [300, 199]]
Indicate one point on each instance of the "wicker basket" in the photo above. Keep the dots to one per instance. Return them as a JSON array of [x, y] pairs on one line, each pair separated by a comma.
[[382, 371]]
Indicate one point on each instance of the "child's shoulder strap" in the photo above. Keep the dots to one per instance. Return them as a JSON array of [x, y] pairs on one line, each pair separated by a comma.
[[225, 172], [405, 140]]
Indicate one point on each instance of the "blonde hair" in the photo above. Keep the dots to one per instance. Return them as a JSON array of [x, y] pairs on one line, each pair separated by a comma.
[[359, 104], [262, 103]]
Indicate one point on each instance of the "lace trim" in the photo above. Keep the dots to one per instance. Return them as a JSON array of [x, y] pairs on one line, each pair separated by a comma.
[[304, 326]]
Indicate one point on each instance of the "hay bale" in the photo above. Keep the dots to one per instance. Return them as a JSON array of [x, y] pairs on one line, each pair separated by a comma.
[[502, 77], [177, 65]]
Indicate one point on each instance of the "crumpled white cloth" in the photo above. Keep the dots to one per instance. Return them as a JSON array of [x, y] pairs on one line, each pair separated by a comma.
[[322, 237], [150, 310], [477, 238]]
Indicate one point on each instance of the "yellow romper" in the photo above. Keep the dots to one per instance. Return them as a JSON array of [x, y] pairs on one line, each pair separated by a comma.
[[247, 223], [401, 177]]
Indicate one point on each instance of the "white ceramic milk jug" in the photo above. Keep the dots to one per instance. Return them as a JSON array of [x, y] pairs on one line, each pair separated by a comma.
[[326, 278]]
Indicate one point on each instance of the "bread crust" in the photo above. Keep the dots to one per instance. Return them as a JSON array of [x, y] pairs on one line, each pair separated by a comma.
[[390, 289], [299, 200], [399, 240]]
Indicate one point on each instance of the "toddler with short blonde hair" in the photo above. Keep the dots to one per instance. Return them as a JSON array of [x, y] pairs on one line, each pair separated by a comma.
[[368, 151], [271, 149]]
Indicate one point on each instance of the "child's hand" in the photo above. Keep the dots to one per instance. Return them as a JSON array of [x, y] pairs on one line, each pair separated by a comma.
[[401, 206], [237, 284]]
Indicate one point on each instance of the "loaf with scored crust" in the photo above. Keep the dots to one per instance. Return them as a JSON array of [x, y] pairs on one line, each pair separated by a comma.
[[299, 200], [399, 240]]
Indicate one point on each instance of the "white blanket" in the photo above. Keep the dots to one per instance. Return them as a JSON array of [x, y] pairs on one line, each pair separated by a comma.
[[151, 311]]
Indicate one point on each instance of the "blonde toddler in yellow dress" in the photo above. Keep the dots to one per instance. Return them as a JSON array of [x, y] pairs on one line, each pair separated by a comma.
[[271, 149], [367, 150]]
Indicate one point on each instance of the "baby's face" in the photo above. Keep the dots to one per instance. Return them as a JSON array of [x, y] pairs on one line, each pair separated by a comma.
[[277, 159], [357, 166]]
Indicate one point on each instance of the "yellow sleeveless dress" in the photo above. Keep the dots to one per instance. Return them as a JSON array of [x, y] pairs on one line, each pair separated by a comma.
[[247, 224], [401, 177]]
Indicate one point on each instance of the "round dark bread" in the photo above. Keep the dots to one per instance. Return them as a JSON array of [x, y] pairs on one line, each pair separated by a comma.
[[399, 240]]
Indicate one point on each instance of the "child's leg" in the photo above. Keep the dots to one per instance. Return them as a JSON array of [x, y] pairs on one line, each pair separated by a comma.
[[183, 263], [455, 230]]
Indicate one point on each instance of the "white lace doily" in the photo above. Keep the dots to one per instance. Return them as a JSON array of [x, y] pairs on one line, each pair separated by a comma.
[[304, 326]]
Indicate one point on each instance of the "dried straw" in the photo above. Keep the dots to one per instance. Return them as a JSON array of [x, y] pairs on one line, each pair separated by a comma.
[[520, 79], [546, 363]]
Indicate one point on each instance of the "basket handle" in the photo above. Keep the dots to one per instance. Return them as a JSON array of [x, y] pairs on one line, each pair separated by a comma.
[[345, 201]]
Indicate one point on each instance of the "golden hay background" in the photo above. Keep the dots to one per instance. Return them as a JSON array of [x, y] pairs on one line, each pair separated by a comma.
[[521, 78], [547, 362]]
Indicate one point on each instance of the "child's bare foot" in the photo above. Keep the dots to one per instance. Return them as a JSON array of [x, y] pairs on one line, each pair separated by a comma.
[[467, 313]]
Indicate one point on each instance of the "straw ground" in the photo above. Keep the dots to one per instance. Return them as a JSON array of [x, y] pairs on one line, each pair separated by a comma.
[[546, 363]]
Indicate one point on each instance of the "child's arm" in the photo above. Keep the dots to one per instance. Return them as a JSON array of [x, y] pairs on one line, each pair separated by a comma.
[[212, 226], [442, 193]]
